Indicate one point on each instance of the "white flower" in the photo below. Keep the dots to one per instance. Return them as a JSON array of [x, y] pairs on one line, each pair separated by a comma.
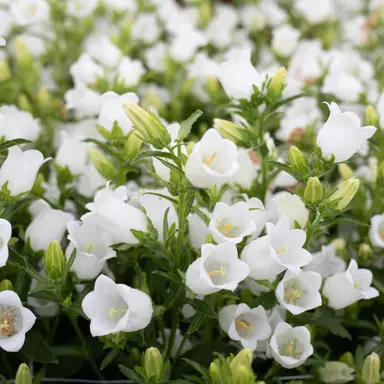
[[342, 135], [316, 12], [380, 109], [92, 243], [284, 40], [231, 223], [19, 169], [336, 372], [253, 17], [145, 28], [238, 76], [129, 72], [5, 25], [3, 43], [259, 215], [279, 250], [49, 225], [218, 268], [15, 321], [345, 288], [100, 47], [155, 57], [90, 181], [198, 230], [5, 235], [376, 232], [86, 70], [286, 204], [121, 5], [185, 44], [116, 308], [27, 12], [290, 346], [81, 8], [17, 124], [213, 160], [326, 262], [112, 110], [299, 292], [245, 324], [119, 218], [84, 101], [249, 165], [343, 85], [72, 153]]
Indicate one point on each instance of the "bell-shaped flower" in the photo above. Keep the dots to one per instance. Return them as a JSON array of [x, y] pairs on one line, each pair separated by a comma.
[[84, 101], [49, 225], [231, 223], [238, 76], [326, 262], [342, 134], [299, 292], [5, 235], [259, 215], [218, 268], [15, 321], [185, 43], [198, 230], [92, 243], [376, 232], [244, 324], [345, 288], [213, 160], [116, 308], [86, 70], [290, 346], [280, 249], [29, 12], [118, 218], [20, 169]]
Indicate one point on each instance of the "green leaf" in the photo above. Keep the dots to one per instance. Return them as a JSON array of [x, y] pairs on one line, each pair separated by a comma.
[[131, 374], [378, 279], [174, 296], [146, 154], [70, 262], [196, 323], [199, 368], [112, 354], [37, 349], [204, 308], [267, 301], [186, 126], [167, 275], [12, 143]]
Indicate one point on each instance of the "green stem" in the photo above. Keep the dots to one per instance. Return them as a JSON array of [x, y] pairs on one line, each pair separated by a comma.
[[180, 234], [178, 353], [79, 333], [172, 336]]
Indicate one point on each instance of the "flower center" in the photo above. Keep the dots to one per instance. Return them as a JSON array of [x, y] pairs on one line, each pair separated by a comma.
[[227, 229], [208, 160], [282, 249], [289, 349], [382, 235], [113, 311], [7, 327], [222, 271], [291, 294], [357, 285], [242, 324], [90, 246]]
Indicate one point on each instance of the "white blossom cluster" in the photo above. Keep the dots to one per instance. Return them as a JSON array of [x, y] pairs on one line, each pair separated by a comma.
[[257, 221]]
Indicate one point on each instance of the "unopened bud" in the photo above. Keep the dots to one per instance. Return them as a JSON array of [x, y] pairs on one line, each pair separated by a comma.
[[230, 130], [348, 358], [298, 161], [214, 371], [24, 103], [6, 285], [380, 170], [24, 57], [371, 369], [153, 363], [277, 83], [314, 190], [5, 71], [336, 372], [149, 126], [345, 171], [365, 252], [23, 375], [371, 116], [43, 97], [54, 260], [345, 193], [102, 163], [242, 374], [132, 146], [244, 357]]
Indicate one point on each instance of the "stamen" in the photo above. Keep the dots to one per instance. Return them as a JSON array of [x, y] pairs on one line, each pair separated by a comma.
[[283, 249], [357, 285], [289, 350], [226, 229], [222, 271], [112, 312], [208, 160], [242, 324], [382, 235], [291, 294], [90, 246], [7, 326]]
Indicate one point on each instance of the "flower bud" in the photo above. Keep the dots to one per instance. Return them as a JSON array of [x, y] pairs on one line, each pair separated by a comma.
[[277, 83], [336, 372], [153, 363], [345, 193], [371, 116], [24, 57], [23, 375], [24, 103], [230, 131], [298, 161], [371, 369], [214, 371], [5, 71], [102, 164], [348, 358], [380, 170], [345, 171], [365, 253], [6, 285], [54, 260], [43, 97], [244, 357], [149, 126], [314, 190], [242, 375], [132, 146]]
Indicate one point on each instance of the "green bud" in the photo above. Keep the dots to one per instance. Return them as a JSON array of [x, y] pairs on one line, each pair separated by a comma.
[[54, 260], [314, 190], [24, 103], [153, 363], [149, 126], [336, 372], [43, 97], [277, 83], [230, 131], [242, 374], [102, 163], [365, 252], [298, 161], [244, 357], [23, 376], [380, 171], [5, 71], [348, 358], [345, 171], [371, 116], [24, 57], [214, 371], [6, 285], [132, 146], [371, 369], [345, 193]]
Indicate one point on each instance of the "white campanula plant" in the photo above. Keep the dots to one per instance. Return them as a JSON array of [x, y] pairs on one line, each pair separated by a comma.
[[192, 191]]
